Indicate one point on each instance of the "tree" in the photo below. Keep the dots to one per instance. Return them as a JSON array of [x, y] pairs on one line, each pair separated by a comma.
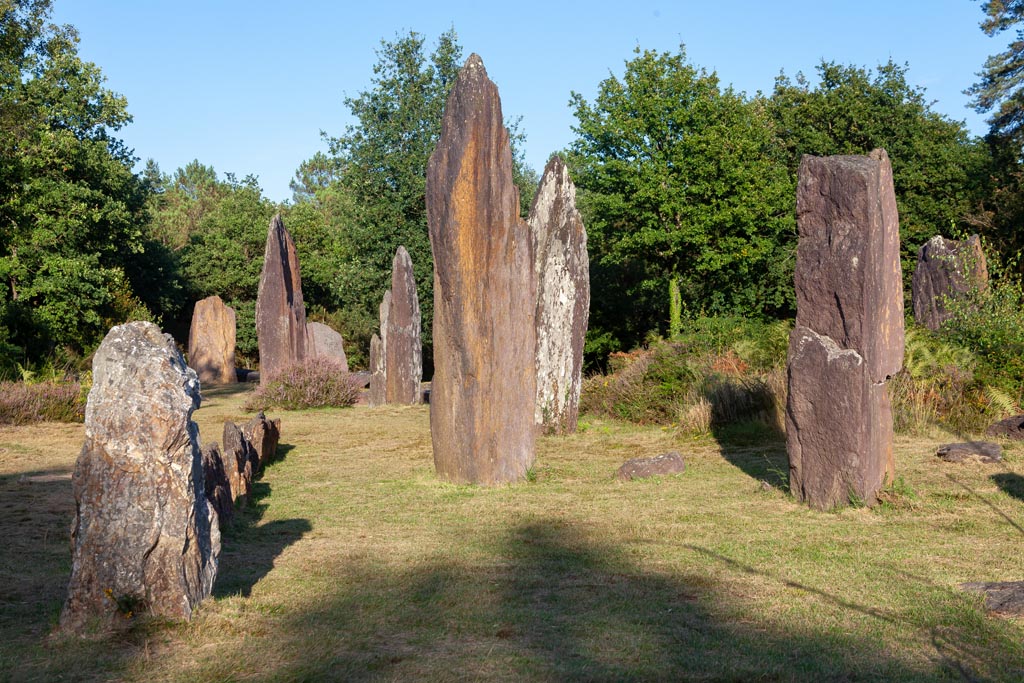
[[1000, 91], [680, 181], [937, 167], [74, 254]]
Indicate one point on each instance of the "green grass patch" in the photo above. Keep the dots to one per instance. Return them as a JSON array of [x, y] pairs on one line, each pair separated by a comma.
[[355, 563]]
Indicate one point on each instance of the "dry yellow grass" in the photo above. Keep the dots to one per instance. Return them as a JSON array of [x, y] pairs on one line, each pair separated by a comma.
[[355, 563]]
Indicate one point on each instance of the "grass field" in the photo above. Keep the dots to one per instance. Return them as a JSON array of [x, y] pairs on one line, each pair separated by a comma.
[[355, 563]]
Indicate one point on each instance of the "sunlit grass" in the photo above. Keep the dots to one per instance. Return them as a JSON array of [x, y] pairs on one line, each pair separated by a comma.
[[356, 563]]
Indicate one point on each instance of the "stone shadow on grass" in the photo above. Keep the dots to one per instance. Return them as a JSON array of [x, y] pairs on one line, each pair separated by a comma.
[[757, 449], [1011, 483], [248, 549], [557, 606]]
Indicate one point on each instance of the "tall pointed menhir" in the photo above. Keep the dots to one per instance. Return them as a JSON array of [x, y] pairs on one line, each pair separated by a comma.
[[563, 298], [403, 362], [280, 311], [484, 387]]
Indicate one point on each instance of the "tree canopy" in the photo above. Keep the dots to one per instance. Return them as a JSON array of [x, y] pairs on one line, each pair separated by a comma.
[[682, 181], [1000, 91]]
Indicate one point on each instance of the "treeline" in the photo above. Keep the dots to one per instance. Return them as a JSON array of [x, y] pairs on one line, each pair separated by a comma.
[[686, 188]]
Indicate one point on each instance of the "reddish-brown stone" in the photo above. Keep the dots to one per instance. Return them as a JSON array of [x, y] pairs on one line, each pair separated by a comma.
[[263, 436], [240, 462], [484, 386], [216, 484], [946, 269], [848, 338], [325, 342], [403, 352], [145, 538], [562, 269], [280, 311], [211, 342]]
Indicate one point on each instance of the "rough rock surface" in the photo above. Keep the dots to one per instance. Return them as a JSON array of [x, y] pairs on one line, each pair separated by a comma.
[[280, 311], [324, 341], [562, 269], [1003, 597], [945, 269], [239, 462], [485, 381], [216, 484], [377, 394], [985, 451], [144, 538], [848, 337], [263, 436], [403, 351], [1011, 428], [211, 342], [658, 465]]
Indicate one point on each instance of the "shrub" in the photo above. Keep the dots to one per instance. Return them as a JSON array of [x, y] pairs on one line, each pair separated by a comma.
[[317, 383], [25, 403]]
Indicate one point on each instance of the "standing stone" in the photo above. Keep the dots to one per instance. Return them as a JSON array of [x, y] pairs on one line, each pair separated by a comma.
[[240, 462], [144, 538], [280, 312], [562, 269], [325, 342], [403, 352], [848, 337], [485, 379], [263, 435], [211, 342], [377, 393], [946, 269], [217, 486]]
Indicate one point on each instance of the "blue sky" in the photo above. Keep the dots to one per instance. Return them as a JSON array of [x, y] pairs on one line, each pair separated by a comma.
[[247, 86]]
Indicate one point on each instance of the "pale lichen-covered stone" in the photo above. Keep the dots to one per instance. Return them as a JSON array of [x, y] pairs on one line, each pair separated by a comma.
[[848, 338], [484, 386], [400, 341], [211, 342], [946, 269], [280, 311], [562, 269], [144, 539], [378, 394], [326, 342]]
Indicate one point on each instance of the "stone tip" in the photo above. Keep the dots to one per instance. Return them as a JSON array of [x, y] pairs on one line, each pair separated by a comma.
[[473, 63]]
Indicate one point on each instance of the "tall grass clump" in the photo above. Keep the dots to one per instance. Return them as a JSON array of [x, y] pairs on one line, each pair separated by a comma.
[[50, 401], [316, 383], [714, 372]]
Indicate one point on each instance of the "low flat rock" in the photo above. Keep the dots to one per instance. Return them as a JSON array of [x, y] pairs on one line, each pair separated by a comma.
[[985, 451], [658, 465], [1010, 428], [1004, 597]]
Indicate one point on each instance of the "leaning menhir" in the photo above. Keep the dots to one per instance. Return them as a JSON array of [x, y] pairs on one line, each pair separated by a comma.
[[484, 385], [144, 538], [211, 342], [946, 269], [280, 311], [848, 338], [562, 269]]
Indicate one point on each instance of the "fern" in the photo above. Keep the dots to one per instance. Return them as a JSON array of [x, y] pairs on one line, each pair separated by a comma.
[[1000, 402]]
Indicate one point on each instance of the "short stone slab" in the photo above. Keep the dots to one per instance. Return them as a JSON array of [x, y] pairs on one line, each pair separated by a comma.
[[659, 465], [1004, 597], [984, 451], [1010, 428]]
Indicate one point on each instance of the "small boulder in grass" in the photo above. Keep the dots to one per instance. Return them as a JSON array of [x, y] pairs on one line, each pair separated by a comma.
[[984, 451], [658, 465], [1002, 597], [1011, 428]]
